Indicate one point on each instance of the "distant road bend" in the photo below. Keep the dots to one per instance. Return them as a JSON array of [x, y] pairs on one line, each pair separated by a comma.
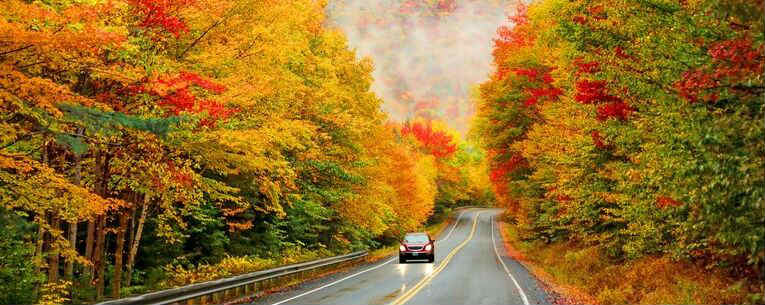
[[470, 268]]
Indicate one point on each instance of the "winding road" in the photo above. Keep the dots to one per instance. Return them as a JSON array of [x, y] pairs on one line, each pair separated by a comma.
[[470, 268]]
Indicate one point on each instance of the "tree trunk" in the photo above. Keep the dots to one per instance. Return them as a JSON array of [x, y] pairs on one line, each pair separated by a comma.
[[53, 257], [131, 227], [118, 256], [101, 189], [40, 243], [93, 223], [69, 272], [43, 218], [89, 241], [99, 256], [136, 240]]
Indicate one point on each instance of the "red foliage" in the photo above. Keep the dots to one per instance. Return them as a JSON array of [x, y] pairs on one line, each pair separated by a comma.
[[176, 94], [619, 52], [587, 67], [531, 74], [437, 143], [500, 171], [580, 20], [537, 93], [733, 62], [180, 100], [547, 78], [693, 83], [591, 92], [497, 174], [162, 14], [531, 101], [738, 53], [537, 75], [597, 12], [597, 139], [618, 110], [664, 202], [595, 92], [534, 75], [197, 80]]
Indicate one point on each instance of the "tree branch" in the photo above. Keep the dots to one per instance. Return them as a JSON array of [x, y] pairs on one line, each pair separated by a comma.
[[198, 39], [15, 50]]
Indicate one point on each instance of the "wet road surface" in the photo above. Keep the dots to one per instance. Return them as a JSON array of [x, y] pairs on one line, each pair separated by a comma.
[[470, 268]]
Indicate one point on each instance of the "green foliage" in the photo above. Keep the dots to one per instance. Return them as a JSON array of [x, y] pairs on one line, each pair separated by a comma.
[[108, 123], [18, 273]]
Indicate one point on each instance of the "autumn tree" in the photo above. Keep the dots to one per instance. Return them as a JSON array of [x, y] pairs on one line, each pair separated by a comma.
[[644, 133]]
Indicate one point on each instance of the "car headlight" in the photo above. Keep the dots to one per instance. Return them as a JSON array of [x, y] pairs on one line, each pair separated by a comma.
[[428, 247], [401, 248]]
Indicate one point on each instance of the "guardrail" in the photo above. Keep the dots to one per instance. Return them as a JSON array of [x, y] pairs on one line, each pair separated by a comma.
[[218, 290]]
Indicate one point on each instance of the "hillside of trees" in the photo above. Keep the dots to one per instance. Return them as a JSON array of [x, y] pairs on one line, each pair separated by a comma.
[[636, 128]]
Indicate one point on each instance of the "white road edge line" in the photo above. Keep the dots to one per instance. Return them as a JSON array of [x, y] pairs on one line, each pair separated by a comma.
[[333, 283], [494, 242], [459, 217], [370, 269]]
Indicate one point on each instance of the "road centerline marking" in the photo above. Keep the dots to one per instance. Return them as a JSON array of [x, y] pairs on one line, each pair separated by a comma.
[[494, 243], [429, 277]]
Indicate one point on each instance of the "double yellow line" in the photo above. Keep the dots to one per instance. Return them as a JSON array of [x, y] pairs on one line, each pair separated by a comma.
[[425, 280]]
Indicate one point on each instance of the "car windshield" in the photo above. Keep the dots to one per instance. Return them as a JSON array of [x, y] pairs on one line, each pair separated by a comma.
[[416, 239]]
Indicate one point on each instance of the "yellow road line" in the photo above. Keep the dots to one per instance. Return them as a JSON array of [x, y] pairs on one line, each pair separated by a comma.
[[425, 280]]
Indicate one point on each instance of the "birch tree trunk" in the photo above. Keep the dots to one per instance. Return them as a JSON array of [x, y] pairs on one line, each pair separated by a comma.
[[136, 239]]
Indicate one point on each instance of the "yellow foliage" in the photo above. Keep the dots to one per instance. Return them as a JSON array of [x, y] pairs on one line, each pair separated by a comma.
[[55, 293]]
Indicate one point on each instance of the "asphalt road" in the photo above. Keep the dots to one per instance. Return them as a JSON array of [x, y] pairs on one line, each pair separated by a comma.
[[468, 270]]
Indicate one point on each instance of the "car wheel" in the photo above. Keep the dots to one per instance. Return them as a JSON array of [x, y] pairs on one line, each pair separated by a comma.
[[432, 258], [401, 260]]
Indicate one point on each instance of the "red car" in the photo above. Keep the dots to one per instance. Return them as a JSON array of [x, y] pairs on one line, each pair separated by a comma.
[[417, 246]]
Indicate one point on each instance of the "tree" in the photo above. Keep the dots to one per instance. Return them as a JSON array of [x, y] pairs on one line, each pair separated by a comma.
[[632, 147]]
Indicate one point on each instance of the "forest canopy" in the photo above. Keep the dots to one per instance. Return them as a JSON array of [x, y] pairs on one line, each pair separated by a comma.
[[145, 136]]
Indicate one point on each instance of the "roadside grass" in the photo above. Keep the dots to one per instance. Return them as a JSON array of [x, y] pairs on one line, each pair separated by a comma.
[[179, 275], [584, 275]]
